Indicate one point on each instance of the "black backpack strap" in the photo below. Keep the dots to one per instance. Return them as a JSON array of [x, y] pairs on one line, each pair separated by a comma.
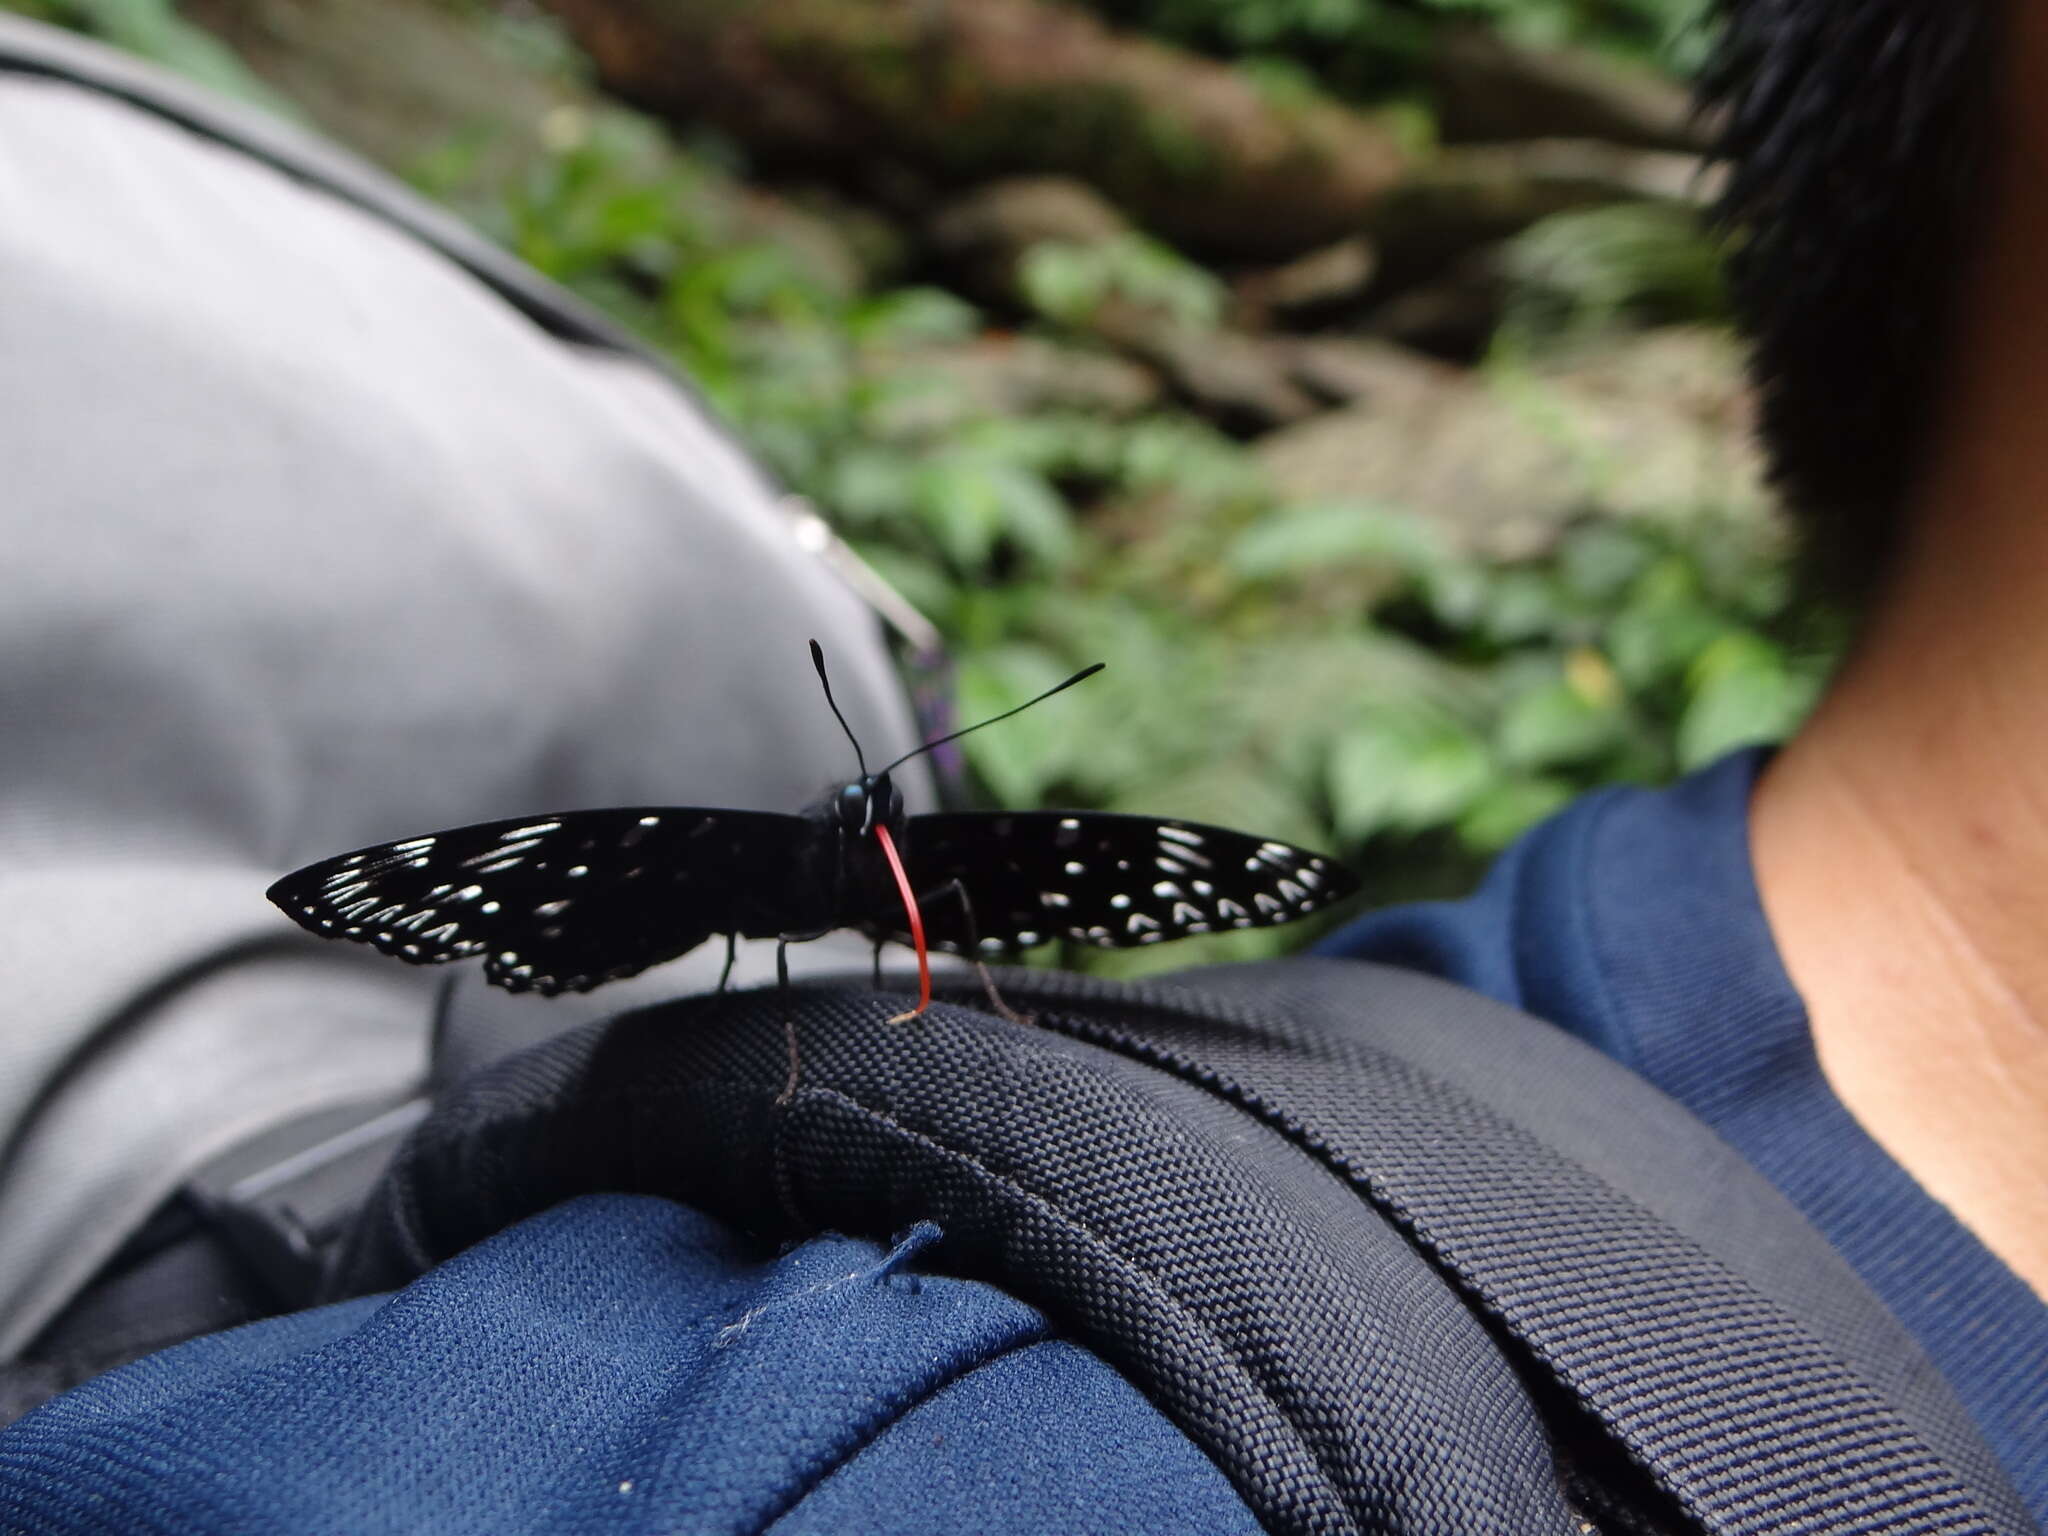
[[1395, 1257]]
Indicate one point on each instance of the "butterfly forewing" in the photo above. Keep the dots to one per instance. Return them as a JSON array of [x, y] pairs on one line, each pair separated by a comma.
[[1105, 880], [564, 903]]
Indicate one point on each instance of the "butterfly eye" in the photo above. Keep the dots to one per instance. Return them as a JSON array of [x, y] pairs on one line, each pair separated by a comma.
[[853, 807]]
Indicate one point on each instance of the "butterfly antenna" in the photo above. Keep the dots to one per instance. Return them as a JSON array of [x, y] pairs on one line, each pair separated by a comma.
[[1081, 676], [818, 661]]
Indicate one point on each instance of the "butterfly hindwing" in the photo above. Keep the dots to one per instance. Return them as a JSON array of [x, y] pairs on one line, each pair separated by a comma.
[[566, 902], [1106, 880]]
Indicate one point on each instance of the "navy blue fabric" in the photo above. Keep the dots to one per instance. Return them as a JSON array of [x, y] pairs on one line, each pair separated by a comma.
[[1632, 919], [621, 1363]]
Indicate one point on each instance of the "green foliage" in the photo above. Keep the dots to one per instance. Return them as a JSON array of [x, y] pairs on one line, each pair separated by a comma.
[[1587, 271], [1068, 282], [1373, 49], [1329, 672]]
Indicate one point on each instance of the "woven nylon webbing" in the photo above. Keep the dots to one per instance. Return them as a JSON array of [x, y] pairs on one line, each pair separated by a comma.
[[1731, 1403], [1179, 1182]]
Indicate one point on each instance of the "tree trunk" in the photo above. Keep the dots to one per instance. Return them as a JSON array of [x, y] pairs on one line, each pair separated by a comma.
[[963, 90]]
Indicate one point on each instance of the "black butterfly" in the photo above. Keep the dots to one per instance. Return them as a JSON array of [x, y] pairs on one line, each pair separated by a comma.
[[568, 902]]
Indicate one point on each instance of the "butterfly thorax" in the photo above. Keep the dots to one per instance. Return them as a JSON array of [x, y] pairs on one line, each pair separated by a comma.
[[861, 882]]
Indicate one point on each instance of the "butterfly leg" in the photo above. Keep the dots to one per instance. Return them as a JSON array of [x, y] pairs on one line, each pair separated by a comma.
[[788, 1019], [958, 892], [878, 965], [732, 944], [788, 1011]]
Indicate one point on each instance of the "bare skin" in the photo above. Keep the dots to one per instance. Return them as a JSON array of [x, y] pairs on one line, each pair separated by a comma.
[[1901, 840]]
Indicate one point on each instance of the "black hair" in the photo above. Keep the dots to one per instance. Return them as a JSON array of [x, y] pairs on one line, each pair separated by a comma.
[[1856, 137]]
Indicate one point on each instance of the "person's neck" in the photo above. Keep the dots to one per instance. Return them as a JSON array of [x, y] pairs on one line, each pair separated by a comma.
[[1901, 839]]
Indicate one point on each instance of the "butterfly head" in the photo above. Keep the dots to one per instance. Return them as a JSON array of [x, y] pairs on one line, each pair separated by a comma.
[[867, 803]]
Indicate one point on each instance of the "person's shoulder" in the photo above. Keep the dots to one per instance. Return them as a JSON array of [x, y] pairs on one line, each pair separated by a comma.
[[1618, 869]]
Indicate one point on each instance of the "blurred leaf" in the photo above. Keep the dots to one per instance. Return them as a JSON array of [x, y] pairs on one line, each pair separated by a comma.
[[1742, 692], [1025, 755], [1664, 626], [1311, 536], [1068, 281], [1062, 281], [1582, 272], [1598, 561], [912, 315], [1556, 725], [1459, 593], [1520, 605], [1403, 774], [962, 506], [868, 487], [1033, 515], [1509, 809]]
